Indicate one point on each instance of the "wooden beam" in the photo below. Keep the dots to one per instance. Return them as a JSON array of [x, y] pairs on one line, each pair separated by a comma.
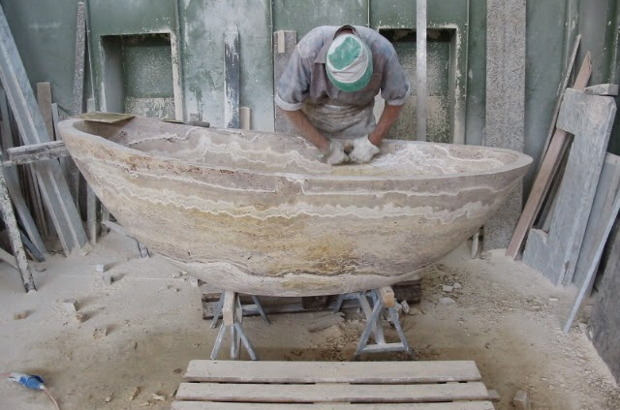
[[203, 405], [330, 372], [27, 154], [44, 99], [18, 248], [12, 181], [328, 392]]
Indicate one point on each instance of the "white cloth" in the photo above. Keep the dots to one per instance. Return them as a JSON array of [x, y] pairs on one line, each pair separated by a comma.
[[336, 154], [363, 150]]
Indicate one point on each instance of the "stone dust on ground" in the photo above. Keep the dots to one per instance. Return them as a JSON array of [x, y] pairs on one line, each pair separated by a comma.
[[137, 334]]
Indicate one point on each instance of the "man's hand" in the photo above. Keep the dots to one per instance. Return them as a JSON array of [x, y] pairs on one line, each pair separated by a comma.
[[363, 150], [336, 154]]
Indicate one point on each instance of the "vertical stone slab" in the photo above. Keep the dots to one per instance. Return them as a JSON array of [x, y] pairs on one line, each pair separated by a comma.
[[284, 42], [231, 79], [505, 103], [605, 321], [589, 118], [608, 187]]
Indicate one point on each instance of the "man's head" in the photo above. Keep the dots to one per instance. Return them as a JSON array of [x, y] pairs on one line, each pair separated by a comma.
[[349, 62]]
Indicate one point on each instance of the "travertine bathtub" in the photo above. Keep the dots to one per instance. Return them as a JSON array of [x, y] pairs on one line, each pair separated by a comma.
[[258, 213]]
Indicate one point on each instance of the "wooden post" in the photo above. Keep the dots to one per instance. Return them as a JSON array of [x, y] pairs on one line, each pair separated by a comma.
[[12, 181], [18, 248]]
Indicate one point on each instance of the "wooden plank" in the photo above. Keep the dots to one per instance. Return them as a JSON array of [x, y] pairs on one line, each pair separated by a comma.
[[31, 126], [231, 80], [387, 295], [316, 393], [547, 172], [27, 154], [44, 99], [558, 103], [12, 181], [605, 320], [332, 372], [463, 405], [228, 308], [8, 258], [91, 215], [590, 118], [283, 45], [607, 189], [14, 236]]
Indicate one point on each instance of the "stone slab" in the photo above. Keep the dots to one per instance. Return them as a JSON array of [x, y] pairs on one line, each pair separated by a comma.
[[602, 207], [505, 103], [554, 252], [605, 321]]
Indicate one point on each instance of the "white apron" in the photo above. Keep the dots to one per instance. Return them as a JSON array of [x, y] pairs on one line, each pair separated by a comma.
[[344, 122]]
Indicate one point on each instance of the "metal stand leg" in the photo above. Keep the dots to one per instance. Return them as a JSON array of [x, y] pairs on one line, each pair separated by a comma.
[[232, 314], [382, 300]]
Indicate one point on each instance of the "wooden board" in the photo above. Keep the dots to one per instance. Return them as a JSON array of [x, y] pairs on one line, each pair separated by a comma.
[[605, 320], [44, 99], [323, 392], [12, 181], [332, 372], [590, 119], [271, 385], [192, 405]]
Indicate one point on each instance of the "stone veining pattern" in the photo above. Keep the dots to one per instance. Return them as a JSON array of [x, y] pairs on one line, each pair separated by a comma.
[[257, 213]]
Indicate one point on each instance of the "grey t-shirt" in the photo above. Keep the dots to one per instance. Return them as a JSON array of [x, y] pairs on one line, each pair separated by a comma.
[[305, 79]]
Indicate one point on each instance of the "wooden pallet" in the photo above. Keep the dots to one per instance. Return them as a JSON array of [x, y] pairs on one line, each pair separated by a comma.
[[241, 385]]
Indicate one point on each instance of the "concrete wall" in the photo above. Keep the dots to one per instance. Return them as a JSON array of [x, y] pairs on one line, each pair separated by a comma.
[[44, 32]]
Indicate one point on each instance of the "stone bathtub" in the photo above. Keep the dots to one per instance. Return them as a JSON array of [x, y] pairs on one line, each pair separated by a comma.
[[257, 212]]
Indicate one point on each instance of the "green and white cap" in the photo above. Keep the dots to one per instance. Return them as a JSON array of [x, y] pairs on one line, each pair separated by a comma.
[[349, 63]]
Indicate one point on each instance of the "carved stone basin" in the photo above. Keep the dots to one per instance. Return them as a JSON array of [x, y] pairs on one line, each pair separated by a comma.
[[257, 213]]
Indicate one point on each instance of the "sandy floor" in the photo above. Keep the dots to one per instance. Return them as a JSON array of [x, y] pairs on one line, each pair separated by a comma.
[[506, 317]]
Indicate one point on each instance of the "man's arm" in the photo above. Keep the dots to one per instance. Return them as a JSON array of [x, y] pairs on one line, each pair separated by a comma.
[[303, 126], [388, 118]]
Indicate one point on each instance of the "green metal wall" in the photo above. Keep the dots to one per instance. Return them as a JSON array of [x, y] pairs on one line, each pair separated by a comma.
[[44, 32]]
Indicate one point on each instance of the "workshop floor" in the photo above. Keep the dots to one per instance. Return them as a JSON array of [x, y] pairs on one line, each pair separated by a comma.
[[506, 317]]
